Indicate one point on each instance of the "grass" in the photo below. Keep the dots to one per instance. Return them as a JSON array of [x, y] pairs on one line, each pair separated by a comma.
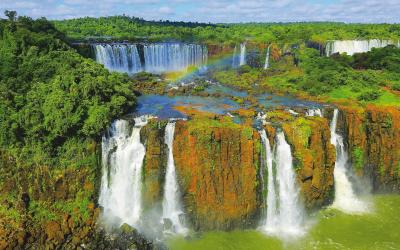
[[387, 99]]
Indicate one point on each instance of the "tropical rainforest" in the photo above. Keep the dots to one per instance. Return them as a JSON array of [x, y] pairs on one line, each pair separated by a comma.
[[122, 133]]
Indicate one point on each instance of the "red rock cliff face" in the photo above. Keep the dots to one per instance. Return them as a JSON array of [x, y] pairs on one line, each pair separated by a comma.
[[217, 170], [374, 147]]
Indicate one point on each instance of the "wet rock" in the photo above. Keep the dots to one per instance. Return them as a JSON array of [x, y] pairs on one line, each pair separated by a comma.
[[167, 224], [126, 229]]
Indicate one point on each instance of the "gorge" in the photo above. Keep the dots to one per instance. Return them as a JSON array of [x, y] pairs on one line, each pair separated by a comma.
[[239, 138]]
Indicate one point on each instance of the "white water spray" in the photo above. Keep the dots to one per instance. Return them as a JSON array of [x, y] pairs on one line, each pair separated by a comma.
[[266, 65], [172, 208], [272, 214], [118, 57], [356, 46], [158, 57], [121, 184], [345, 198], [167, 57], [285, 212], [314, 112], [242, 54]]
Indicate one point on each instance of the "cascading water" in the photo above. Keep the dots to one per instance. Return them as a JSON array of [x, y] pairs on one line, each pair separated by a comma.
[[166, 57], [285, 212], [158, 57], [266, 65], [172, 208], [345, 198], [235, 58], [242, 54], [272, 214], [118, 57], [356, 46], [314, 112], [121, 184]]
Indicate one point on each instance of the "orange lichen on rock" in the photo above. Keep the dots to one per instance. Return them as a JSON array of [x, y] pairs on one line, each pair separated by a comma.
[[217, 169], [314, 158], [374, 148]]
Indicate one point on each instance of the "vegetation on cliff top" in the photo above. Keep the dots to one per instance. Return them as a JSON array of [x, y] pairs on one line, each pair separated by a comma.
[[131, 28], [51, 98], [371, 77]]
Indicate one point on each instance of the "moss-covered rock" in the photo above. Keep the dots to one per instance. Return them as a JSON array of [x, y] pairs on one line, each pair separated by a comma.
[[217, 163], [155, 162], [372, 134], [314, 158]]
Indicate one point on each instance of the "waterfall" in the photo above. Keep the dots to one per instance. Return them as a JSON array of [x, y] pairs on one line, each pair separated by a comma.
[[158, 57], [345, 198], [118, 57], [285, 215], [314, 112], [242, 54], [167, 57], [266, 65], [272, 213], [356, 46], [172, 208], [235, 59], [122, 159]]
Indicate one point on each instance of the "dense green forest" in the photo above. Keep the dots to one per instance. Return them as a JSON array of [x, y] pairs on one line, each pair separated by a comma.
[[52, 98], [124, 27]]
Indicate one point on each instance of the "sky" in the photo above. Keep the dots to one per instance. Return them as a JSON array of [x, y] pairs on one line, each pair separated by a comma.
[[214, 11]]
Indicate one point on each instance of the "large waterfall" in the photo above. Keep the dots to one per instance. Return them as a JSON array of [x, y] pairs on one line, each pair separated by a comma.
[[122, 156], [345, 198], [157, 57], [356, 46], [166, 57], [172, 208], [285, 212], [266, 65], [118, 57], [242, 54], [271, 217]]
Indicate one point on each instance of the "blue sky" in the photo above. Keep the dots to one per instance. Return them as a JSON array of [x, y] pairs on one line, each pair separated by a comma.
[[366, 11]]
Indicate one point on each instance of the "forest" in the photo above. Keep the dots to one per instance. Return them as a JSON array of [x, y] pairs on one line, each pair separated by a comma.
[[52, 98], [133, 29]]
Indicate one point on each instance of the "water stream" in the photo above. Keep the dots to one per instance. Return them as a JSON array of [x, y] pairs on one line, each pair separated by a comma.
[[121, 184], [345, 197], [172, 207], [285, 212]]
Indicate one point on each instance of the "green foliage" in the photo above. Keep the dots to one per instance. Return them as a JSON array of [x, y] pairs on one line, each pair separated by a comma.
[[131, 28], [369, 95], [41, 212], [358, 158], [50, 94]]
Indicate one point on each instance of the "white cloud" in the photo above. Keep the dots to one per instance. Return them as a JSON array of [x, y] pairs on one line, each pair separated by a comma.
[[215, 10], [166, 10]]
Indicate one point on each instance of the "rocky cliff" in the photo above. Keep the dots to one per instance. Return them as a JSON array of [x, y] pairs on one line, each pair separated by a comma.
[[217, 166], [314, 156], [373, 134]]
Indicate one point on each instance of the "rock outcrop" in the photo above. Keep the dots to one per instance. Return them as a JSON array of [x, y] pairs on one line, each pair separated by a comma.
[[217, 165], [373, 136], [313, 154]]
